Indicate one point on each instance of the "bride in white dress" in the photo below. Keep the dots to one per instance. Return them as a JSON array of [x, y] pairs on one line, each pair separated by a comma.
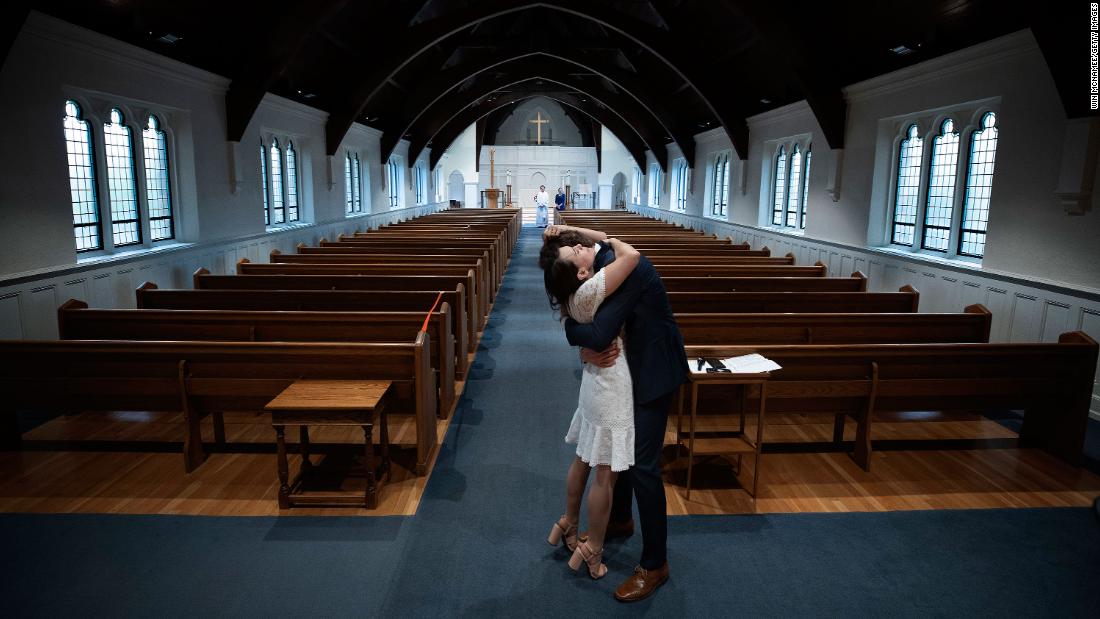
[[603, 424]]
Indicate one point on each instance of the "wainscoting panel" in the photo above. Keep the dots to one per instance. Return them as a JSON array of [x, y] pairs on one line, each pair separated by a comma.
[[1023, 310], [28, 304]]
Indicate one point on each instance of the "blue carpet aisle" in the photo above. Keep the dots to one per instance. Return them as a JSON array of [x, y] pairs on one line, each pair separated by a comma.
[[476, 546]]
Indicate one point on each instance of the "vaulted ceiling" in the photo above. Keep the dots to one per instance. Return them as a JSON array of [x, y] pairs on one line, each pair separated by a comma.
[[654, 72]]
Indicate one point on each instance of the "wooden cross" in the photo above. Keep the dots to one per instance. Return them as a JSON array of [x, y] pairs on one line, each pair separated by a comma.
[[538, 123]]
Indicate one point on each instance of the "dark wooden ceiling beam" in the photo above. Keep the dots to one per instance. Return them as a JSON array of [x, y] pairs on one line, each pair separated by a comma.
[[397, 49], [632, 114], [447, 134], [507, 59], [271, 59]]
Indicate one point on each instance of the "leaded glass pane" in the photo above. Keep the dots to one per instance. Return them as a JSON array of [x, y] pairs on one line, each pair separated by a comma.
[[356, 185], [349, 202], [121, 185], [910, 155], [779, 187], [278, 212], [82, 189], [979, 184], [941, 188], [158, 198], [263, 183], [805, 190], [291, 183], [793, 192], [725, 185]]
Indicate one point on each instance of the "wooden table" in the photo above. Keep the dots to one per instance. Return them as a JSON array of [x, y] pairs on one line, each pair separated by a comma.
[[331, 403], [714, 443]]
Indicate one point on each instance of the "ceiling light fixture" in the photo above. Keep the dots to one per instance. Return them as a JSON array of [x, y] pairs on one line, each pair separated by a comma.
[[765, 101], [902, 50]]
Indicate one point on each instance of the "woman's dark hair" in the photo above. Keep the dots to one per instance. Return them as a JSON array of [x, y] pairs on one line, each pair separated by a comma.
[[559, 276]]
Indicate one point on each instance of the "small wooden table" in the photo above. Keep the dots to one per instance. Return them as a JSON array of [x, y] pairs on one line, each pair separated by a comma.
[[331, 403], [724, 442]]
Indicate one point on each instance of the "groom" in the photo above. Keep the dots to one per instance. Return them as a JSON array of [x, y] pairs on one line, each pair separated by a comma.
[[658, 365]]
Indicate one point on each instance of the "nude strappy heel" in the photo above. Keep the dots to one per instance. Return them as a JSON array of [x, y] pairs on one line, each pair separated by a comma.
[[594, 559], [562, 529]]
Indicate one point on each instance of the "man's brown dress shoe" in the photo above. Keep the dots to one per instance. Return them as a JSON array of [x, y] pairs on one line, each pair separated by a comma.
[[641, 584]]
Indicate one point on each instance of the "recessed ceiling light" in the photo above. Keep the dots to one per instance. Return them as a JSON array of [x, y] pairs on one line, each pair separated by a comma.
[[902, 50], [169, 38], [765, 101]]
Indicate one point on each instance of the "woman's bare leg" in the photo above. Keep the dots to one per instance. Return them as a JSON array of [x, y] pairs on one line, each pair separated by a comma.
[[575, 481], [599, 505]]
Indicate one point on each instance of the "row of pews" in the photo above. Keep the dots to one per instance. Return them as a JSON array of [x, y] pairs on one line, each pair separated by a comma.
[[850, 353], [404, 303]]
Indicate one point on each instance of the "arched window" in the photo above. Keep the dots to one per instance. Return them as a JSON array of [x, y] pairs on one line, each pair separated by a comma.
[[349, 202], [78, 145], [394, 178], [291, 182], [720, 199], [420, 183], [356, 184], [793, 193], [654, 185], [679, 184], [278, 214], [941, 188], [158, 196], [805, 189], [910, 155], [263, 182], [121, 184], [636, 186], [979, 184], [779, 186]]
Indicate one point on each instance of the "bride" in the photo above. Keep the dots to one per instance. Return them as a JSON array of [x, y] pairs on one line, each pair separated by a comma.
[[603, 424]]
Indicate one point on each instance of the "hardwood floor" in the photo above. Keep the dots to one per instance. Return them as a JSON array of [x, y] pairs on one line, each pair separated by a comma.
[[101, 477]]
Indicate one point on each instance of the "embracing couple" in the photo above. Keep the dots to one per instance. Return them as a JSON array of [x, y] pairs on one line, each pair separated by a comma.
[[613, 302]]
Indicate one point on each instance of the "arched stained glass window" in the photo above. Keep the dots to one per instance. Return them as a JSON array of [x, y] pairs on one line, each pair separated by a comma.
[[941, 188], [82, 189], [278, 212], [291, 182], [779, 186], [158, 196], [349, 200], [263, 183], [910, 155], [979, 184], [356, 184], [805, 189], [121, 184], [793, 193], [721, 185]]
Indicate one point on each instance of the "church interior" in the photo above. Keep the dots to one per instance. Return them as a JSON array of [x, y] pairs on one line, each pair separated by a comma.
[[275, 339]]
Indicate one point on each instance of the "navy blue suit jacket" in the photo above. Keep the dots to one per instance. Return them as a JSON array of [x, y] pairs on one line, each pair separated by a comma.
[[654, 346]]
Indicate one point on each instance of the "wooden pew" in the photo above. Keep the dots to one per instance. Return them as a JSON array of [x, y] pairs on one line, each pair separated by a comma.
[[482, 267], [426, 245], [741, 329], [1052, 383], [674, 270], [906, 300], [729, 259], [417, 302], [476, 287], [433, 283], [856, 283], [396, 252], [76, 322], [197, 378]]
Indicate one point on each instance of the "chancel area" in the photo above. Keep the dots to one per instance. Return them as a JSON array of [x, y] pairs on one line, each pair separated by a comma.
[[279, 333]]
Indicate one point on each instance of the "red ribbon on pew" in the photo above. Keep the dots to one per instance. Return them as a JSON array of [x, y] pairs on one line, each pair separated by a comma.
[[424, 328]]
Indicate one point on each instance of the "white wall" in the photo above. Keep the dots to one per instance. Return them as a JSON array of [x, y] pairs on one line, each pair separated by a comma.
[[615, 159], [461, 156]]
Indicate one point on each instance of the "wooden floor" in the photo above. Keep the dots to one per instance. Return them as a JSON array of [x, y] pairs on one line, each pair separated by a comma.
[[241, 481]]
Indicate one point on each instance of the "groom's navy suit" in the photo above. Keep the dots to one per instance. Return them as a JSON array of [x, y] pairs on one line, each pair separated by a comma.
[[658, 365]]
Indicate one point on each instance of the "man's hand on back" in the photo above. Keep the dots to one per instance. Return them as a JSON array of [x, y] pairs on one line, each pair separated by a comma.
[[604, 359]]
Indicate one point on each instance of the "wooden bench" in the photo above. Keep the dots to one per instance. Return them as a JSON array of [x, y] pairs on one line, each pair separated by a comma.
[[397, 252], [417, 302], [198, 378], [76, 321], [905, 300], [740, 329], [1052, 383], [476, 288], [423, 283], [427, 246], [721, 270], [856, 283]]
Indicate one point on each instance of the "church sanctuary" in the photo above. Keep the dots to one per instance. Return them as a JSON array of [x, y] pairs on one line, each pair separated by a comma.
[[326, 308]]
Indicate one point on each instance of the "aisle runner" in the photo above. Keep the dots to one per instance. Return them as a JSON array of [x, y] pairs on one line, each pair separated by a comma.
[[476, 547]]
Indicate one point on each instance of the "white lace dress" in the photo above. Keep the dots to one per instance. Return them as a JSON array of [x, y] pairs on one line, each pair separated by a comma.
[[603, 426]]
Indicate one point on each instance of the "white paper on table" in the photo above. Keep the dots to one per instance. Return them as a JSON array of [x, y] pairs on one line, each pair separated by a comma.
[[751, 364]]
